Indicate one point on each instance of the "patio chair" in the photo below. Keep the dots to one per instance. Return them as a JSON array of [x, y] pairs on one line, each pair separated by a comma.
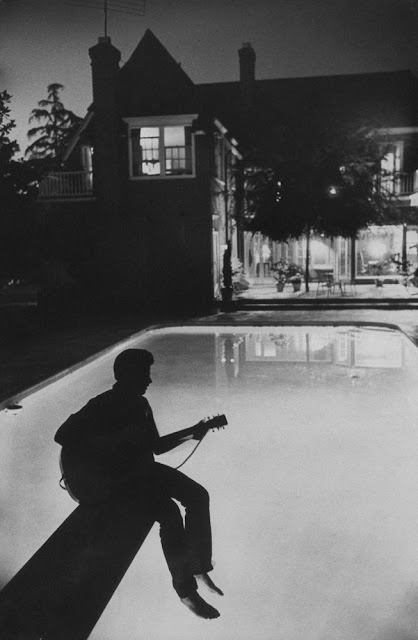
[[326, 282], [348, 286]]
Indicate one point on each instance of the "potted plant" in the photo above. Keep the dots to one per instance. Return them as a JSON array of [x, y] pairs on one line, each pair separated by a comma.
[[294, 276], [239, 281], [280, 274], [377, 270]]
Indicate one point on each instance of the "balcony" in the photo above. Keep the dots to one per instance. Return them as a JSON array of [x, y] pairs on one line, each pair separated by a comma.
[[399, 184], [67, 185], [406, 183]]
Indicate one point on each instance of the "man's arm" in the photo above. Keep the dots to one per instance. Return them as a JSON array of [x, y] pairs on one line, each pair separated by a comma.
[[173, 440]]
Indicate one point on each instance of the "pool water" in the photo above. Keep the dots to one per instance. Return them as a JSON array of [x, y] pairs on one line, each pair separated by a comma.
[[313, 483]]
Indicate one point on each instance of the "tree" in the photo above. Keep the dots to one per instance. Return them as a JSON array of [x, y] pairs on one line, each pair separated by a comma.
[[18, 190], [317, 179], [56, 126]]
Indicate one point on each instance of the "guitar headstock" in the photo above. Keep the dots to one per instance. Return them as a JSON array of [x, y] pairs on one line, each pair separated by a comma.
[[215, 422]]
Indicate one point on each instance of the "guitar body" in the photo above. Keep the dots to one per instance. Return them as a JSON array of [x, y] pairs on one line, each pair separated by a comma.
[[84, 479], [89, 482]]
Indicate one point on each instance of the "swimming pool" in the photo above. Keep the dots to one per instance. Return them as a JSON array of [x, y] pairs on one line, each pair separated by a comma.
[[313, 482]]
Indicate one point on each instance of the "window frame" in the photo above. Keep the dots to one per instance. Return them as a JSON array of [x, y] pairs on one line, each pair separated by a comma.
[[161, 122]]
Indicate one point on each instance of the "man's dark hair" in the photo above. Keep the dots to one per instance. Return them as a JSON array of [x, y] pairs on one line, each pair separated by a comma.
[[131, 361]]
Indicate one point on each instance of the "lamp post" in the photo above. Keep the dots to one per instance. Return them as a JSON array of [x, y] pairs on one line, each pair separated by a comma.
[[404, 258]]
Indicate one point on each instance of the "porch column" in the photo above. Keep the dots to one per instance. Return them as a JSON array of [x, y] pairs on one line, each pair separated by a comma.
[[353, 258]]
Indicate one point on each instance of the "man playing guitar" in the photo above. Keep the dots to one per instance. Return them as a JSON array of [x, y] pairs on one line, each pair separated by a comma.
[[108, 450]]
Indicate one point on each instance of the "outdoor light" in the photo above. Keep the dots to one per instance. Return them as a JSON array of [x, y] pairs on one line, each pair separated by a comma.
[[332, 191]]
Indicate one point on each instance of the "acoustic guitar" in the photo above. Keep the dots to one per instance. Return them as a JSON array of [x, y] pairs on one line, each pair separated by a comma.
[[86, 480]]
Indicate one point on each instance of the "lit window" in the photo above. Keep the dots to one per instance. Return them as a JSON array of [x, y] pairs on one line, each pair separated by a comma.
[[161, 151], [390, 167]]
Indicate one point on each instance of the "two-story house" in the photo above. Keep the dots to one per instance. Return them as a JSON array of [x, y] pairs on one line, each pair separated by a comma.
[[151, 183]]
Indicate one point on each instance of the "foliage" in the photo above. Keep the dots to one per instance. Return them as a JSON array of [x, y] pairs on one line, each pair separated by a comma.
[[7, 147], [18, 190], [280, 271], [317, 179], [239, 281], [284, 271], [294, 273], [56, 126]]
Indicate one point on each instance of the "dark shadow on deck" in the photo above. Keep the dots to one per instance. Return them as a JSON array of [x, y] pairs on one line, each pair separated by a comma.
[[61, 592]]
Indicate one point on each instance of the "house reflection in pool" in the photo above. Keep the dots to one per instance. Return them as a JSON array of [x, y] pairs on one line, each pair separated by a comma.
[[344, 350]]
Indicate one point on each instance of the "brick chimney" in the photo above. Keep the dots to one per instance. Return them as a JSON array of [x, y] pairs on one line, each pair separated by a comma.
[[247, 76], [106, 161]]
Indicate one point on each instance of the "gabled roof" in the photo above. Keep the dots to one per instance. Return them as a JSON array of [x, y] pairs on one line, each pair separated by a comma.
[[388, 99], [152, 82], [77, 137]]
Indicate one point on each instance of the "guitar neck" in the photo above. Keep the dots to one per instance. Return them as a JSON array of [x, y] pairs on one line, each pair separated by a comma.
[[216, 422], [184, 433]]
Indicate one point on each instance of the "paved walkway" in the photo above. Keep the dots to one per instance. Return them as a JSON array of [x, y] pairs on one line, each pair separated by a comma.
[[267, 289], [405, 319]]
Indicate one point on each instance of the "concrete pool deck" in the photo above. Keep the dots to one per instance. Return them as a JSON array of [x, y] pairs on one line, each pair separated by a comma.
[[36, 353]]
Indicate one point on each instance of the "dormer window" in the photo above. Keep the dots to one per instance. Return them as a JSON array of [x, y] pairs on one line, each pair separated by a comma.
[[160, 147]]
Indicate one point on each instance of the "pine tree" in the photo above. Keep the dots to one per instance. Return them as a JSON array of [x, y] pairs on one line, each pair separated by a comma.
[[56, 126], [18, 180]]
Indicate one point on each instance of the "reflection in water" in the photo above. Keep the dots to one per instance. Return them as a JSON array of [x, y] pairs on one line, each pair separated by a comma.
[[355, 349], [231, 355]]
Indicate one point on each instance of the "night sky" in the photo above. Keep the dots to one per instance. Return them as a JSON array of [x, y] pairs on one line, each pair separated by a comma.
[[47, 41]]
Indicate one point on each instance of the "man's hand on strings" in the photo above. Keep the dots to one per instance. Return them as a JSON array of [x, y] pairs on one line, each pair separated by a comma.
[[200, 430]]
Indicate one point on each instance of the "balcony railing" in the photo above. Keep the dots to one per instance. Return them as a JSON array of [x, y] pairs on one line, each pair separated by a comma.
[[67, 184], [399, 184], [406, 183]]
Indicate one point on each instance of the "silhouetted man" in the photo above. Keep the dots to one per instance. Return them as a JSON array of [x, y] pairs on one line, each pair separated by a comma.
[[115, 436]]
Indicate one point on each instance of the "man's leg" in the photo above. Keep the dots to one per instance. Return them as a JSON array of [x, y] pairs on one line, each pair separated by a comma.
[[174, 545], [195, 499], [175, 548]]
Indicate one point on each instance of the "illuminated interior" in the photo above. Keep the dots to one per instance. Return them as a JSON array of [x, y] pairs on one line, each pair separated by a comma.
[[161, 151]]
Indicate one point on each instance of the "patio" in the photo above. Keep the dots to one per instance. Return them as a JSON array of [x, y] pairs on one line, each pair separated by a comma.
[[266, 289]]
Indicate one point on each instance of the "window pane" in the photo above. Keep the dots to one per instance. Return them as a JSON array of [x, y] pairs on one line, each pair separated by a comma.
[[145, 151], [174, 137], [177, 143], [150, 151], [391, 164], [375, 248]]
